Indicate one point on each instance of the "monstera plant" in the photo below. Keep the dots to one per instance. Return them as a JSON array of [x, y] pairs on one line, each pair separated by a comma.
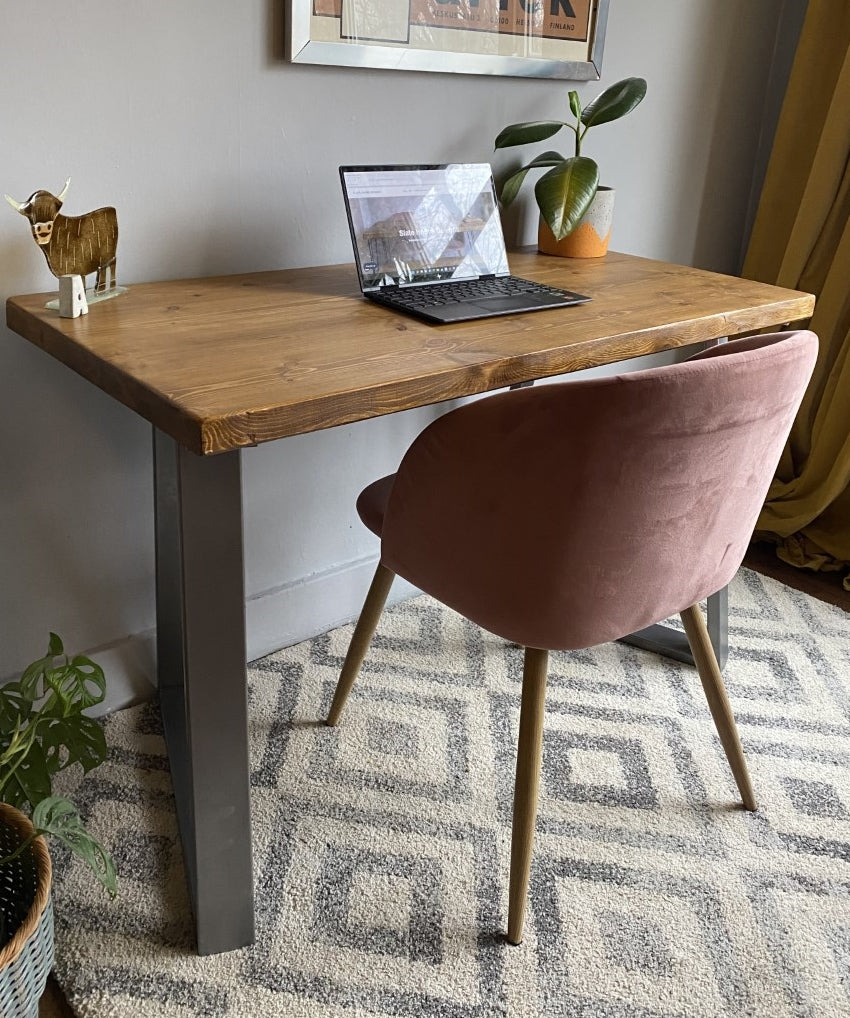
[[564, 193], [43, 730]]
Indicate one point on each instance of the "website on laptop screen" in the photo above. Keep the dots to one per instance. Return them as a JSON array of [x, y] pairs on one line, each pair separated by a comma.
[[412, 225]]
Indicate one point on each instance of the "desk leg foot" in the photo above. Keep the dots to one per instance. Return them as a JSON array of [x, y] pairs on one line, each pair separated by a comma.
[[671, 643], [200, 616]]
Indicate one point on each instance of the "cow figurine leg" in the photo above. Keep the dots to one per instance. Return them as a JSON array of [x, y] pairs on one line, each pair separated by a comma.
[[72, 297], [105, 277]]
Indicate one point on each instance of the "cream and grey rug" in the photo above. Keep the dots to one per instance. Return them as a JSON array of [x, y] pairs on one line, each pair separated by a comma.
[[381, 847]]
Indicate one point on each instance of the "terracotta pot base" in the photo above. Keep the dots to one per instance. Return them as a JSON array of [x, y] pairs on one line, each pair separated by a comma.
[[583, 242], [590, 238]]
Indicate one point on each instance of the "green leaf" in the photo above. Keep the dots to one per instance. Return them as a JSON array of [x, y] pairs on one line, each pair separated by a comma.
[[92, 682], [550, 158], [78, 685], [16, 750], [54, 647], [58, 817], [81, 738], [564, 193], [525, 133], [615, 102], [575, 104], [510, 188], [15, 708], [29, 781], [18, 744], [30, 683]]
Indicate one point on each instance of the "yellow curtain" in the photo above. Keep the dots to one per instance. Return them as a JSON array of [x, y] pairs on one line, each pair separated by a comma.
[[801, 239]]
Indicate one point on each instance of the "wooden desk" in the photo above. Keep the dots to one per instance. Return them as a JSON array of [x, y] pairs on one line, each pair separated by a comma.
[[218, 364]]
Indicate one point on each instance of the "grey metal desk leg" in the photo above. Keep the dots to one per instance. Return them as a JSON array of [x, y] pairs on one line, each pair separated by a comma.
[[671, 643], [718, 624], [200, 618]]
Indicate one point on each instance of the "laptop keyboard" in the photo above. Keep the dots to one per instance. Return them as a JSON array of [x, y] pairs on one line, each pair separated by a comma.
[[463, 291]]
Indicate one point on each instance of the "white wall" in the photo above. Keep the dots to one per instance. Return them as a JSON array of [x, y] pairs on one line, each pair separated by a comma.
[[222, 158]]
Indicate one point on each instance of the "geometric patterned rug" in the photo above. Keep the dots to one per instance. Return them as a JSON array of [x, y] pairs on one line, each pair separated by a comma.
[[381, 847]]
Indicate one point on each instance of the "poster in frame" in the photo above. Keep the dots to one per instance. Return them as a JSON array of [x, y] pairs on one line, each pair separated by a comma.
[[525, 38]]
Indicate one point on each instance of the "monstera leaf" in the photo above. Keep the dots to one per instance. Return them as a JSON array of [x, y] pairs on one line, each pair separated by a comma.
[[59, 817]]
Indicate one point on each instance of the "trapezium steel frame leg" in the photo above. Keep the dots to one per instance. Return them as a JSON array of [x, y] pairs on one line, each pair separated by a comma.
[[671, 643], [200, 619]]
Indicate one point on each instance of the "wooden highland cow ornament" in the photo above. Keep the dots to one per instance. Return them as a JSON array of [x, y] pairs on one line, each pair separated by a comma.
[[74, 245]]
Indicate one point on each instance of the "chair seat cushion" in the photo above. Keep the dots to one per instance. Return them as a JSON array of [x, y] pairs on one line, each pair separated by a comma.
[[372, 503]]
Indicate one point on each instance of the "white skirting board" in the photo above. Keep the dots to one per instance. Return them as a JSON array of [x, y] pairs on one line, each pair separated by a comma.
[[274, 618]]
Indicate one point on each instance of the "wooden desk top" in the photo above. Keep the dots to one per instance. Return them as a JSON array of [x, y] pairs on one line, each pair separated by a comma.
[[236, 360]]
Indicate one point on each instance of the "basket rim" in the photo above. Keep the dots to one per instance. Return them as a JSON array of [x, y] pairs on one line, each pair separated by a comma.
[[14, 818]]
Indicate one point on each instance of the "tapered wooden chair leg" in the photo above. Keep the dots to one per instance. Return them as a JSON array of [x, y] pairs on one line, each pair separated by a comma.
[[528, 760], [718, 702], [362, 637]]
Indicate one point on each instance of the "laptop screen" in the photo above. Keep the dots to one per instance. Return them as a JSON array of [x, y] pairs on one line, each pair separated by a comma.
[[419, 224]]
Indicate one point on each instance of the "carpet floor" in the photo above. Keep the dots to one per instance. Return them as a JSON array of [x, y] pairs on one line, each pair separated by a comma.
[[381, 847]]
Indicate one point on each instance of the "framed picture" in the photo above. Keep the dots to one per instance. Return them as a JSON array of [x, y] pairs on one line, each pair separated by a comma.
[[527, 38]]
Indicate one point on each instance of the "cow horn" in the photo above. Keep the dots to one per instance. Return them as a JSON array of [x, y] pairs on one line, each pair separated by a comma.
[[16, 205], [61, 197]]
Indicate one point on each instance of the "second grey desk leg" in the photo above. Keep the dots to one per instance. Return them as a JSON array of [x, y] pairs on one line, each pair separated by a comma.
[[200, 619], [671, 643], [717, 611]]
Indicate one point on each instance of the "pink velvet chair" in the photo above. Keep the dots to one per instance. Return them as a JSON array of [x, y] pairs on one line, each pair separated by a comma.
[[572, 514]]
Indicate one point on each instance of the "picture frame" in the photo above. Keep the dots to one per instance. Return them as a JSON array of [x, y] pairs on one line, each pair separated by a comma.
[[523, 38]]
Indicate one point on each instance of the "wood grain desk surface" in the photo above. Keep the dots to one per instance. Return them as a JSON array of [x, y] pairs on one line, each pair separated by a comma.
[[232, 361]]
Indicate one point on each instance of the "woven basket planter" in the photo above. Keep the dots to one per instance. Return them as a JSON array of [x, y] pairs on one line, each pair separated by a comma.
[[27, 958]]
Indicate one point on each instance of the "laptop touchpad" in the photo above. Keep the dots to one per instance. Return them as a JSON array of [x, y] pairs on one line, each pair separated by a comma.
[[504, 303]]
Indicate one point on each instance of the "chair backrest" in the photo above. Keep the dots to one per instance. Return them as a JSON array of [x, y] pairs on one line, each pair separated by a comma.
[[570, 514]]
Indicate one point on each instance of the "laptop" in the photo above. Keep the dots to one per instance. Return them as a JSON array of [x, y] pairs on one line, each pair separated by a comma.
[[428, 242]]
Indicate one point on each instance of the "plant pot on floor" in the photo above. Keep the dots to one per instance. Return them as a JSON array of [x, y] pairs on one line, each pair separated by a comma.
[[26, 917], [590, 238]]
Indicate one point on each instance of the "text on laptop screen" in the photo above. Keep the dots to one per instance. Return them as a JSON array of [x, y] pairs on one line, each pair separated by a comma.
[[416, 225]]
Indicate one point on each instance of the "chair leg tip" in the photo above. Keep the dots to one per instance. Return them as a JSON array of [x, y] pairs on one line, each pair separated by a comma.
[[334, 714]]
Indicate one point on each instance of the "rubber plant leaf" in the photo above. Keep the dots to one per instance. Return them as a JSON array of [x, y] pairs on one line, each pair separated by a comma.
[[510, 188], [524, 134], [564, 193], [614, 102], [57, 816]]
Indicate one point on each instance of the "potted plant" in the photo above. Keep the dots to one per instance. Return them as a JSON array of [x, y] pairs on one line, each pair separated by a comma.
[[572, 203], [43, 730]]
